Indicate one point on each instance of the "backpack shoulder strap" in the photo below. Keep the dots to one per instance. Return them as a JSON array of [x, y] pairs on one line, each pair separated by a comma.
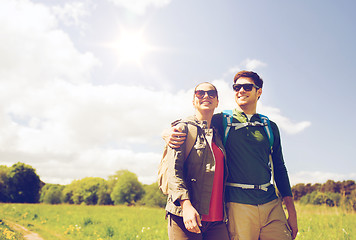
[[227, 120], [163, 165], [191, 138], [268, 129]]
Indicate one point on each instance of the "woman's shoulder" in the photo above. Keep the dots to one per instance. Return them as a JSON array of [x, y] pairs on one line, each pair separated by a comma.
[[183, 123]]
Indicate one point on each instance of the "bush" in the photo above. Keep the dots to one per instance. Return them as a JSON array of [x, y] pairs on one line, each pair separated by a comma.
[[51, 194], [127, 190], [88, 191], [153, 196]]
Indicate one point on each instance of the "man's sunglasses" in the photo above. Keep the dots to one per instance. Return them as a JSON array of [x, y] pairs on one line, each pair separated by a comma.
[[201, 93], [247, 86]]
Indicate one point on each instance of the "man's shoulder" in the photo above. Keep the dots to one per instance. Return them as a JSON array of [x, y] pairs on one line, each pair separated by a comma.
[[273, 124], [217, 116], [187, 120], [216, 121]]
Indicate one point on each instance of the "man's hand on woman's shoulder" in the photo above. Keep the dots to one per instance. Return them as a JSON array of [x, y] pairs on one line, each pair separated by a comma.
[[174, 136]]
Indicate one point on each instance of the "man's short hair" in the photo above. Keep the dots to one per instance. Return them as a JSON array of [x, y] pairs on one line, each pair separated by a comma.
[[249, 74]]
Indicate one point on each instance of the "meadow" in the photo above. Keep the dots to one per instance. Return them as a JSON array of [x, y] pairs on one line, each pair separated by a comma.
[[59, 222], [80, 222]]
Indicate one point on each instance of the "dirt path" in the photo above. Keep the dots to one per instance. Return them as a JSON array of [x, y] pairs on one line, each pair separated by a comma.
[[27, 234]]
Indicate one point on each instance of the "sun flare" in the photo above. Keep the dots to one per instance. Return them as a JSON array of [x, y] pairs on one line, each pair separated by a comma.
[[131, 47]]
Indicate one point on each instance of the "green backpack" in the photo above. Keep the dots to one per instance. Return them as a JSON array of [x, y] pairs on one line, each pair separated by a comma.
[[265, 123], [163, 165]]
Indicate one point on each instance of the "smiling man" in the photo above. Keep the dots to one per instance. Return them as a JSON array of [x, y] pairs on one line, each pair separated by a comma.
[[254, 210], [255, 162]]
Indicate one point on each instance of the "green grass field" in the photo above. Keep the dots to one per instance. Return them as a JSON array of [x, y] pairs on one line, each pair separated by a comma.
[[325, 223], [57, 222]]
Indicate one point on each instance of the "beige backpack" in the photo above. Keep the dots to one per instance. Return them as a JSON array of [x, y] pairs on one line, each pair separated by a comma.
[[163, 165]]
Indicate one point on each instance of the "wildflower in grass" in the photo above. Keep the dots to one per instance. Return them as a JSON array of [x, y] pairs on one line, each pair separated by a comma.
[[8, 234], [72, 229], [24, 215], [77, 228], [145, 228]]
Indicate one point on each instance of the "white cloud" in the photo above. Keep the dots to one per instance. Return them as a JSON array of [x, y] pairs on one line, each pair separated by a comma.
[[96, 129], [34, 51], [253, 64], [73, 13], [247, 64], [139, 6], [319, 177], [53, 118], [283, 122]]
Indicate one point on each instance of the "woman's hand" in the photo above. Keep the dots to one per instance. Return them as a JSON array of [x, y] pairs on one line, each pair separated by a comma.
[[191, 217]]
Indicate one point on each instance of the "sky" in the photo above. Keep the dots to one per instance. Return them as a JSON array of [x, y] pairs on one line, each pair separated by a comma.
[[87, 87]]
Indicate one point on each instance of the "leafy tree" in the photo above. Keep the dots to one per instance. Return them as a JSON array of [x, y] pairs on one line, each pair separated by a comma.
[[331, 193], [311, 188], [331, 186], [127, 188], [113, 179], [4, 197], [299, 191], [67, 193], [307, 199], [347, 187], [51, 193], [104, 196], [333, 199], [319, 199], [90, 191], [352, 198], [153, 196], [23, 184]]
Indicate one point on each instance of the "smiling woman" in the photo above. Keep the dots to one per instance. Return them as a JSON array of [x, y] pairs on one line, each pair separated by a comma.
[[131, 47]]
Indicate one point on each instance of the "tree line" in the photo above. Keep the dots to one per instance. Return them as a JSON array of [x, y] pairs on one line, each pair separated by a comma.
[[331, 193], [20, 184]]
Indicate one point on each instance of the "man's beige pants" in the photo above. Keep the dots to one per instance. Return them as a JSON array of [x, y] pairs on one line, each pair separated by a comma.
[[258, 222]]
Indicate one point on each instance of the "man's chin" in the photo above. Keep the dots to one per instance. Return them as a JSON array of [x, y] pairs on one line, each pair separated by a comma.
[[241, 103]]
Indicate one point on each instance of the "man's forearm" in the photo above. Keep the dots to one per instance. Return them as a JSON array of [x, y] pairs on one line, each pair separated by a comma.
[[292, 215], [174, 137], [289, 202]]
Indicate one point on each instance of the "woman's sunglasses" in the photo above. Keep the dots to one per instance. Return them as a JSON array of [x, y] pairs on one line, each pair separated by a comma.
[[201, 93], [247, 87]]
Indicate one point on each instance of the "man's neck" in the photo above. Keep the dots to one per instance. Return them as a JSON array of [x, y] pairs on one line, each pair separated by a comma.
[[247, 110]]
